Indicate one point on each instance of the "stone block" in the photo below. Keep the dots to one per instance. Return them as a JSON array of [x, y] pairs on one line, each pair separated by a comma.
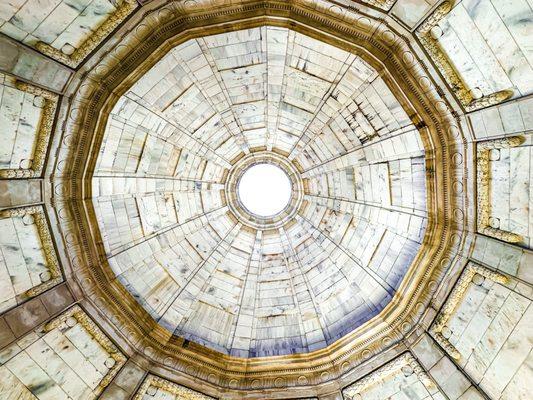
[[26, 317]]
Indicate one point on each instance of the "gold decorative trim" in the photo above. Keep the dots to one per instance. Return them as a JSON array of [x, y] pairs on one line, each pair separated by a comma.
[[52, 262], [376, 377], [87, 323], [451, 76], [483, 187], [182, 392], [108, 26], [456, 296], [43, 134]]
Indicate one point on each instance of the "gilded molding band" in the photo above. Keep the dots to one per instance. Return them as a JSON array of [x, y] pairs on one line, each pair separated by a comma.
[[483, 187], [52, 262], [456, 296], [101, 32], [181, 392], [445, 67], [405, 360], [82, 318], [43, 135]]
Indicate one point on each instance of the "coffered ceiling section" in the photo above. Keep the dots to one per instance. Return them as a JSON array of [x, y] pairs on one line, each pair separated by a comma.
[[66, 30], [205, 274]]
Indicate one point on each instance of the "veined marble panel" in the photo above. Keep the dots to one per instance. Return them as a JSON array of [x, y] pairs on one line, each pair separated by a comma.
[[512, 118], [488, 43], [487, 326], [20, 117], [68, 358], [28, 263], [511, 197], [411, 12], [402, 378], [65, 29]]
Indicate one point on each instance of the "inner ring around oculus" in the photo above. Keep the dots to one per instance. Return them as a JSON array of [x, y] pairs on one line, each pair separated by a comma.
[[267, 219]]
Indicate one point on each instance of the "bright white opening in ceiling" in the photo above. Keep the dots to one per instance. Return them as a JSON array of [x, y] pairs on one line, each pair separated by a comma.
[[264, 190]]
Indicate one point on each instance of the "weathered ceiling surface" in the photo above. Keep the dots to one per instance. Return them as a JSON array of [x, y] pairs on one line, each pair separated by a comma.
[[400, 267], [160, 197]]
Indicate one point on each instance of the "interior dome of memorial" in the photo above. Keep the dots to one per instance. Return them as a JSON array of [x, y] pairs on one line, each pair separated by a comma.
[[266, 199]]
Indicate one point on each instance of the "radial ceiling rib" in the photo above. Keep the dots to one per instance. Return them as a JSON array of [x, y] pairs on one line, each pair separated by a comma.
[[203, 217], [225, 243], [272, 138], [288, 247], [225, 163], [247, 286], [227, 114], [389, 289], [275, 39], [396, 134], [155, 177], [350, 58], [324, 200]]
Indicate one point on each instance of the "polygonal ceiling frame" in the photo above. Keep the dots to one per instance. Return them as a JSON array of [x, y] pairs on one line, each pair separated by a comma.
[[145, 38]]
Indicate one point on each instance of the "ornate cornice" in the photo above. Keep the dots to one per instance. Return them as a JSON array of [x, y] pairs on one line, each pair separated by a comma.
[[455, 299], [181, 392], [44, 131], [114, 69], [77, 315], [445, 67], [52, 263], [483, 187], [125, 8]]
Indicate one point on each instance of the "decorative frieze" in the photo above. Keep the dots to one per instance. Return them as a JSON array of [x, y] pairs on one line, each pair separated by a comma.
[[455, 299], [44, 133], [483, 187], [425, 33]]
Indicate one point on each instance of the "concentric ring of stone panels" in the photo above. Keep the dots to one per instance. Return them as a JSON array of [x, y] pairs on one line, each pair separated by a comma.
[[251, 219], [190, 258]]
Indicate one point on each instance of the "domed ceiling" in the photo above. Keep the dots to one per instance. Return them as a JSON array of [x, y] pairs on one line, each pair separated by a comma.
[[144, 256], [176, 234]]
